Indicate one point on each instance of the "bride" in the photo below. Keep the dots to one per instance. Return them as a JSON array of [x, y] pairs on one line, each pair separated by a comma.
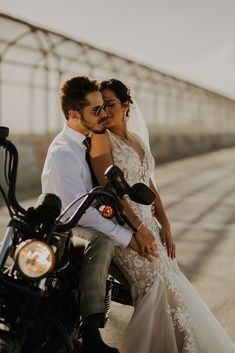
[[169, 315]]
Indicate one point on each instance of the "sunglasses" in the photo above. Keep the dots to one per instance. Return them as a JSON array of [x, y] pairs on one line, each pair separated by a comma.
[[99, 109]]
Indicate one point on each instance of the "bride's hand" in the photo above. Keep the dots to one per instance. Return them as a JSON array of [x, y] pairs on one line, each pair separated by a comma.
[[146, 242], [166, 238]]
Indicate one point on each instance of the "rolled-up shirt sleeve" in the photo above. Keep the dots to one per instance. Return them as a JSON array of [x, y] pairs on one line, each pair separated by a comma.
[[63, 176], [92, 219]]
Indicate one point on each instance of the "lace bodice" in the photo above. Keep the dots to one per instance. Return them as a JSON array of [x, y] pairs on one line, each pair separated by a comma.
[[129, 160], [134, 168]]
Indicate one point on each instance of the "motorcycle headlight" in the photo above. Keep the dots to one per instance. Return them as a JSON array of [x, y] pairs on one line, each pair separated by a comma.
[[34, 258]]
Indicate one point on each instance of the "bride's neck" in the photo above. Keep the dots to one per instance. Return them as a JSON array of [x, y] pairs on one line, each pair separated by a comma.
[[120, 131]]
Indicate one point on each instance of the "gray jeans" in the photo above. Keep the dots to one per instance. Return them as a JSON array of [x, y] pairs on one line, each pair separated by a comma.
[[97, 257]]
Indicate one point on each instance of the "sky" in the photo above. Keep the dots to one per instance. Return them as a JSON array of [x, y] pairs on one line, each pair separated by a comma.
[[190, 39]]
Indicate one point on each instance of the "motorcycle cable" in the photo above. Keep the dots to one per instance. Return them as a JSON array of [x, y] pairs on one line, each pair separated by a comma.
[[6, 201], [69, 206]]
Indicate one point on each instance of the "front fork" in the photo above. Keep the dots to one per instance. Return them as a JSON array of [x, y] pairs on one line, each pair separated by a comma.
[[6, 245]]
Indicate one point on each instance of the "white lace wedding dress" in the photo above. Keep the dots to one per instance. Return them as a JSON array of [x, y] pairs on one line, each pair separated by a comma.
[[169, 315]]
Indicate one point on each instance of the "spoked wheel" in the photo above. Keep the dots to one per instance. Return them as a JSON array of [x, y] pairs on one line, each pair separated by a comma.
[[47, 336], [8, 343], [4, 347]]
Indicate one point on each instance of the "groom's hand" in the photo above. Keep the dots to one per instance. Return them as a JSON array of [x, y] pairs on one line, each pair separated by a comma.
[[135, 246], [146, 242]]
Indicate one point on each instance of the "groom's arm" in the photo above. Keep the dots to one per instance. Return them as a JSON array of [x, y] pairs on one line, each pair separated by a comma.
[[63, 176]]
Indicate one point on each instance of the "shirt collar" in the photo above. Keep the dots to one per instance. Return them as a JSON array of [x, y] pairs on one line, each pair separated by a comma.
[[73, 134]]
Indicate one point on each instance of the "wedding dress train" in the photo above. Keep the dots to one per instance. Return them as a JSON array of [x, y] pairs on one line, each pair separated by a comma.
[[169, 315]]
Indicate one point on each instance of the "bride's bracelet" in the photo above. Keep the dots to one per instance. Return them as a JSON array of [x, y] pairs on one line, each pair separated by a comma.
[[139, 226], [133, 219]]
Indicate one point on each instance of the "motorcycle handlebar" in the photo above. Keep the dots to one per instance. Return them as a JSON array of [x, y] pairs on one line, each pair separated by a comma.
[[139, 192], [10, 171], [94, 194]]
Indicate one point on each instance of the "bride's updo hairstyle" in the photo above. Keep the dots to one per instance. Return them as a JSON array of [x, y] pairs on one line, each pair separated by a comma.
[[121, 91]]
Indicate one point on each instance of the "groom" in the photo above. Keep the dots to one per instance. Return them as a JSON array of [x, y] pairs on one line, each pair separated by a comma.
[[66, 173]]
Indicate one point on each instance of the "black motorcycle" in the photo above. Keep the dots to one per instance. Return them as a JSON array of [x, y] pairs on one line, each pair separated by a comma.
[[39, 276]]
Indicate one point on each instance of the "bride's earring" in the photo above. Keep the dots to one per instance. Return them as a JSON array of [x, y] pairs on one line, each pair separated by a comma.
[[125, 117]]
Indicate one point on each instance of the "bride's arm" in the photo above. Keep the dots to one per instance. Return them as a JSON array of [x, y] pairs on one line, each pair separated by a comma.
[[101, 159], [100, 155], [161, 217]]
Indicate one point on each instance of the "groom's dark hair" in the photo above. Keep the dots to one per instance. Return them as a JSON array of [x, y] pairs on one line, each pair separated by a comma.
[[73, 93]]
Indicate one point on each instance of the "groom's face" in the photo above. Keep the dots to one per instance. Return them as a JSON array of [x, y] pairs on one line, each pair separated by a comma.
[[93, 116]]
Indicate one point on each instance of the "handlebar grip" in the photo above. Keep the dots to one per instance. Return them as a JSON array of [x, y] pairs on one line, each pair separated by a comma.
[[4, 132]]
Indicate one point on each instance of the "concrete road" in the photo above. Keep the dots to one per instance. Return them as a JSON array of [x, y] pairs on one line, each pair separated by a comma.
[[199, 196]]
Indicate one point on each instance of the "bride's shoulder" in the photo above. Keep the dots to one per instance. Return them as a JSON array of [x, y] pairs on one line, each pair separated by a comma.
[[113, 137], [137, 138]]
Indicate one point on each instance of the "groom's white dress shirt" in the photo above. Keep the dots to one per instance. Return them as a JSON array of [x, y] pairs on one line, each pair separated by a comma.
[[66, 174]]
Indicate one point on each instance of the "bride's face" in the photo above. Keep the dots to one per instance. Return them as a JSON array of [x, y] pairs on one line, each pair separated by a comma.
[[114, 109]]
